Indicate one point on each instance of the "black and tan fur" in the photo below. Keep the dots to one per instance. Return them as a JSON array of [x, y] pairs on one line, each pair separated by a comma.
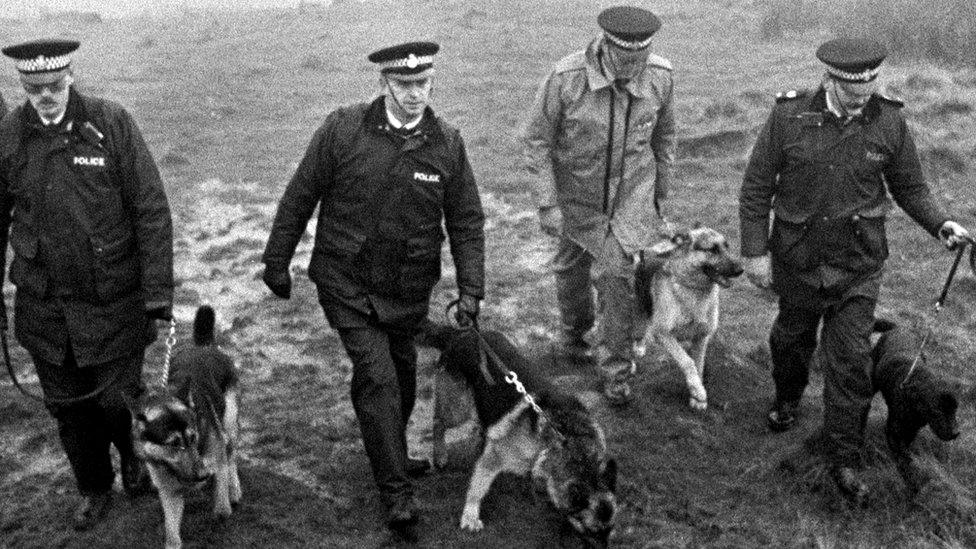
[[565, 450], [677, 283], [922, 400], [185, 436]]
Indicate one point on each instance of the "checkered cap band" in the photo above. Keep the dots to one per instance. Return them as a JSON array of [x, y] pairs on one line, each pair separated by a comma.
[[639, 45], [410, 62], [43, 64], [864, 76]]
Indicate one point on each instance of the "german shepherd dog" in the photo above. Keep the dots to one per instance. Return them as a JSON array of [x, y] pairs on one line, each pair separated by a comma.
[[677, 284], [186, 432], [913, 401], [564, 448]]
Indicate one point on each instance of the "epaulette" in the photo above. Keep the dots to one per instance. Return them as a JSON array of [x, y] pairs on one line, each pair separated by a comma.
[[657, 61], [790, 95], [888, 99]]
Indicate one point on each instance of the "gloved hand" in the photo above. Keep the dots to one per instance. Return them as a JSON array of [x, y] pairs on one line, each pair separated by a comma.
[[953, 234], [278, 280], [551, 220], [759, 271], [466, 314], [160, 313]]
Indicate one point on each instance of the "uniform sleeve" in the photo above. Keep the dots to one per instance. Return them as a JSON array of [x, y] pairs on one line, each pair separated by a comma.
[[464, 220], [907, 184], [301, 196], [758, 188], [149, 206], [664, 143], [6, 206], [537, 138]]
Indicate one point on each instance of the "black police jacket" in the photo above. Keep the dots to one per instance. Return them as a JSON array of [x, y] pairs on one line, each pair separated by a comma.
[[825, 181], [88, 220], [382, 200]]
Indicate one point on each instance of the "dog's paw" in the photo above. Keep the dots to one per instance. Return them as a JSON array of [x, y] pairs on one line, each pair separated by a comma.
[[639, 349], [471, 522], [223, 512], [700, 404]]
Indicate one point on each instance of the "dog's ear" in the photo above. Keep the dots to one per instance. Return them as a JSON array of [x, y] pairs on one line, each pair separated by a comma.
[[609, 474]]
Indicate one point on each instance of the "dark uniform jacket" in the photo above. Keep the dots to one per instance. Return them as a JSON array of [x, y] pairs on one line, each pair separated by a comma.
[[382, 198], [90, 227], [825, 182]]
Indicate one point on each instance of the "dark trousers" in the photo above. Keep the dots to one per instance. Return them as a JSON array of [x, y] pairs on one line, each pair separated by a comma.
[[88, 428], [847, 324], [384, 383]]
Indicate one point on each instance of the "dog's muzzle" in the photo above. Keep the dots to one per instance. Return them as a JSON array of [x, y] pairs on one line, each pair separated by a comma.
[[723, 272]]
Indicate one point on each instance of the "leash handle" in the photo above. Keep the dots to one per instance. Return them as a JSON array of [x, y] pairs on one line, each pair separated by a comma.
[[952, 274]]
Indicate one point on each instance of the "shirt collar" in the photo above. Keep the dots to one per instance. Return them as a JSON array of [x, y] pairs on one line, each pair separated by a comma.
[[395, 122]]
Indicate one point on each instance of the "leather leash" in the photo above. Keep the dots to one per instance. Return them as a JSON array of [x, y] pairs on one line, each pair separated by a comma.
[[941, 301], [170, 340]]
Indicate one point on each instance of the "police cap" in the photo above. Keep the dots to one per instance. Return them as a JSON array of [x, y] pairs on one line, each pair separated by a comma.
[[855, 60], [628, 27], [42, 61], [409, 58]]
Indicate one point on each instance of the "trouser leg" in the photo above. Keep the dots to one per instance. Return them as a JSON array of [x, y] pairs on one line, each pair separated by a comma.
[[792, 341], [846, 346], [379, 406], [613, 273], [574, 291], [87, 428]]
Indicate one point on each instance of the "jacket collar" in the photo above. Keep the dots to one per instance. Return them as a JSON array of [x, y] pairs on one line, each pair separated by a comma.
[[639, 86], [375, 119]]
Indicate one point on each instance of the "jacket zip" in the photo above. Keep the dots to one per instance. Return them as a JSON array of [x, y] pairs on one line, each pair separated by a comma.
[[609, 156]]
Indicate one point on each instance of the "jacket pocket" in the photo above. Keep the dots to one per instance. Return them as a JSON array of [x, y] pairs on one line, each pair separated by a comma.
[[116, 267], [25, 272], [789, 245], [869, 244]]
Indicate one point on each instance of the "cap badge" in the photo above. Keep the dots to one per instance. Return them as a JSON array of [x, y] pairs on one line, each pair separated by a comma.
[[412, 61]]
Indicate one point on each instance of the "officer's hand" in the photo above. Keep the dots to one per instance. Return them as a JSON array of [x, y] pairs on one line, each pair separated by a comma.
[[953, 234], [467, 311], [758, 271], [278, 280], [551, 220]]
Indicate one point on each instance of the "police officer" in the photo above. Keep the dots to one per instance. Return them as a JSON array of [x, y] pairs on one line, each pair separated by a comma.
[[90, 228], [822, 164], [384, 175], [599, 146]]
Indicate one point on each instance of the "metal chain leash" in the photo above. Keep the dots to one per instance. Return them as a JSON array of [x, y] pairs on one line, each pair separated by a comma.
[[170, 342], [512, 379]]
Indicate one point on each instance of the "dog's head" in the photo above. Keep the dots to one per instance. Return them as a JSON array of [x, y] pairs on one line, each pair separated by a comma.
[[166, 432], [940, 411], [699, 250], [586, 496]]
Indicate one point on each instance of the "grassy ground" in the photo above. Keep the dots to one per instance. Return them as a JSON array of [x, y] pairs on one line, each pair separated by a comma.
[[228, 103]]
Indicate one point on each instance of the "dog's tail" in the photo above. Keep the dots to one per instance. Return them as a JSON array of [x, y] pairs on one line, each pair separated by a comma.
[[883, 325], [433, 334], [203, 326]]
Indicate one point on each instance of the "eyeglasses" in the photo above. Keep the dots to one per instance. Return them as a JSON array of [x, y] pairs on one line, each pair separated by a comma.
[[54, 87]]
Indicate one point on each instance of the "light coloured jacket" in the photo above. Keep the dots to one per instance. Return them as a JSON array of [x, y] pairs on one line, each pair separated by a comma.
[[573, 139]]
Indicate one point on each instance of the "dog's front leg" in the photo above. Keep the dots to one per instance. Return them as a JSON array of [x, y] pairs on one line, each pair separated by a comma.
[[699, 345], [698, 400], [232, 429], [485, 471], [172, 517]]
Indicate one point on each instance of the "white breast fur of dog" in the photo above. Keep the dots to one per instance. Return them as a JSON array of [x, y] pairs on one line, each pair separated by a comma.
[[186, 433], [677, 283]]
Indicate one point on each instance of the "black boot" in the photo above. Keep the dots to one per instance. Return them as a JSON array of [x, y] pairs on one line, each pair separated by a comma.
[[782, 416], [92, 509], [135, 478], [402, 519]]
